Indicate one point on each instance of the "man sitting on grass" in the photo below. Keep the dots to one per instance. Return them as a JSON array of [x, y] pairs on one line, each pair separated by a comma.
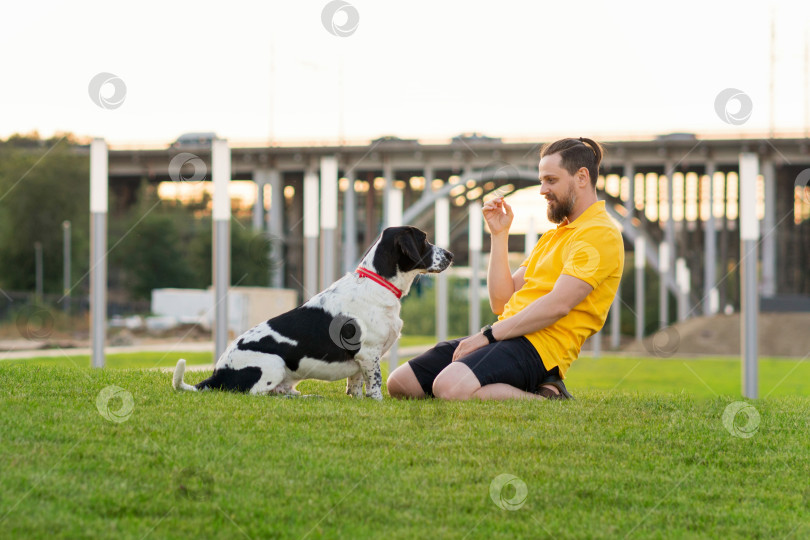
[[546, 310]]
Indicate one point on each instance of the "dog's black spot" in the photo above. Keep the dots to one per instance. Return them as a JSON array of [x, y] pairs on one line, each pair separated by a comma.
[[237, 380], [310, 328]]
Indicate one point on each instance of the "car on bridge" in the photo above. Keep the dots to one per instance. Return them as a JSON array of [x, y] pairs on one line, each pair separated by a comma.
[[195, 140]]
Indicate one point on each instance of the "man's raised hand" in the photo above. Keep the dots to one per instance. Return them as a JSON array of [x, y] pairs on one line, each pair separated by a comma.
[[498, 215]]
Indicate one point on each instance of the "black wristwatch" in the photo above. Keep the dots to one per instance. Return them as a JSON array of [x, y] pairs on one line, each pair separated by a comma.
[[487, 331]]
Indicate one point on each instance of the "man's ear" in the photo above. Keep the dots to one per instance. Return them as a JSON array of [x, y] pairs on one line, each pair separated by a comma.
[[407, 243], [583, 175]]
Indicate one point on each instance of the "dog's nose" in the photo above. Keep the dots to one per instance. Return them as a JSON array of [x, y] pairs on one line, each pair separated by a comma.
[[449, 255]]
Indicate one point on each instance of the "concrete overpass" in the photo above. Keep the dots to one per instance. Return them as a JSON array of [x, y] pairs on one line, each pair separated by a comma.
[[635, 182]]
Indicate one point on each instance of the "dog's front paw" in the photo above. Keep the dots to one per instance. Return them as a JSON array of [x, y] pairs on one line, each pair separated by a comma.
[[354, 386], [376, 395]]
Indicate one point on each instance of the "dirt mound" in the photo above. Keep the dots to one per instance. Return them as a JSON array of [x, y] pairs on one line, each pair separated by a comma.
[[780, 334]]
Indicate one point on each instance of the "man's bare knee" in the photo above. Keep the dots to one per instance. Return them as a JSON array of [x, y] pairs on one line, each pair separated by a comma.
[[402, 383], [456, 382]]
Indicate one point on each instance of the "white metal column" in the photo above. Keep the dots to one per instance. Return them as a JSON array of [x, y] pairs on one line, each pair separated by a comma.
[[98, 249], [476, 232], [683, 278], [394, 220], [710, 255], [329, 215], [769, 225], [311, 209], [221, 175], [349, 224], [275, 226], [749, 235], [260, 177], [640, 261], [664, 264], [442, 225]]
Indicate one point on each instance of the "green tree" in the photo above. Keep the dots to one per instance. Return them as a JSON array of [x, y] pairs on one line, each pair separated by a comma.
[[250, 255], [42, 184], [149, 246]]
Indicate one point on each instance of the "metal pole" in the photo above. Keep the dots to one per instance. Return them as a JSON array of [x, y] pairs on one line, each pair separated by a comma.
[[388, 176], [66, 265], [669, 237], [616, 319], [640, 261], [260, 179], [749, 235], [394, 207], [476, 232], [349, 225], [429, 176], [663, 272], [710, 262], [98, 248], [329, 212], [769, 223], [597, 344], [630, 203], [275, 224], [531, 237], [221, 175], [311, 206], [442, 225], [682, 277], [39, 289], [394, 220]]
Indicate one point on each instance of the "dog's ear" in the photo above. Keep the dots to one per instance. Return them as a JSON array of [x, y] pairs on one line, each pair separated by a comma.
[[407, 243]]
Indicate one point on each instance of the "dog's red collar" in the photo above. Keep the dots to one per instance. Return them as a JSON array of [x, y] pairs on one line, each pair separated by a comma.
[[377, 278]]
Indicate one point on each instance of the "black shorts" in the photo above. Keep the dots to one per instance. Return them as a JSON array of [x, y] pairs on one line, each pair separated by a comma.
[[513, 361]]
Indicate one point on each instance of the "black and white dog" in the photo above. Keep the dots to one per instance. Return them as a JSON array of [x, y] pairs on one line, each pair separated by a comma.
[[339, 333]]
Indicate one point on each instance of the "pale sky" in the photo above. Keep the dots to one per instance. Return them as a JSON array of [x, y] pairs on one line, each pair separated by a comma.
[[418, 69]]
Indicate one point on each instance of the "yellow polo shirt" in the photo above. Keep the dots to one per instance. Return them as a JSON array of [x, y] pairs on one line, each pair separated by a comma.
[[589, 248]]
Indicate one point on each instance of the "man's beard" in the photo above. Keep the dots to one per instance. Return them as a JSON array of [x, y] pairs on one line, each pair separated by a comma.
[[562, 208]]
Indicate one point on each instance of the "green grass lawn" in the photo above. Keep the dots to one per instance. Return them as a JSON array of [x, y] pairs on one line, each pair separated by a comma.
[[79, 459], [147, 359], [707, 377], [704, 377]]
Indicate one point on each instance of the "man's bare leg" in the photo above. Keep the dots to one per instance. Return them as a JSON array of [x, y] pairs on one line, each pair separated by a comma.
[[502, 391], [402, 383], [458, 382]]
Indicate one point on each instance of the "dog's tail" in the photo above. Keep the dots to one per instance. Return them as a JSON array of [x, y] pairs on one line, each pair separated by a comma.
[[177, 381]]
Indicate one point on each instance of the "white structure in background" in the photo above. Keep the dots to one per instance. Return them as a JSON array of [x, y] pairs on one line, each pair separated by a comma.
[[247, 307]]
